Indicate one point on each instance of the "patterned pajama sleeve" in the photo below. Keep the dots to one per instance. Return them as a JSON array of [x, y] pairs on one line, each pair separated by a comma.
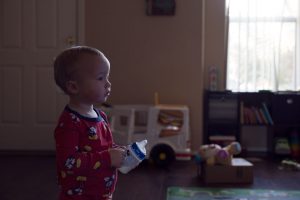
[[73, 161]]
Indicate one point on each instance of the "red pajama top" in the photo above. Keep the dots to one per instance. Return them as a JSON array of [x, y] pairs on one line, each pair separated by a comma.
[[83, 161]]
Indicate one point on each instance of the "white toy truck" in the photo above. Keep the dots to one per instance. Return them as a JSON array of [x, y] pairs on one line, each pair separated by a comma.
[[166, 128]]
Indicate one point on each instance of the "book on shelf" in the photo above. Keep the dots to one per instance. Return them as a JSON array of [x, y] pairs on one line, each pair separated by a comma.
[[249, 116], [264, 119], [242, 112], [255, 115], [267, 113]]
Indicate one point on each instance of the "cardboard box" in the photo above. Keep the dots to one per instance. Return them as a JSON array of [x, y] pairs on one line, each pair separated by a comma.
[[240, 171]]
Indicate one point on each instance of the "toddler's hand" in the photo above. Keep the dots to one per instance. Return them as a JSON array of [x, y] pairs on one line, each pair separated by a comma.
[[116, 156]]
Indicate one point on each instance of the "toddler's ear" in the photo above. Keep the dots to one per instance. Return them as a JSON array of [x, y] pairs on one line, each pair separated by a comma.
[[72, 87]]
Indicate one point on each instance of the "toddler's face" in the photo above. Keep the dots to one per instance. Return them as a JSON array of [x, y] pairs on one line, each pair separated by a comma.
[[93, 74]]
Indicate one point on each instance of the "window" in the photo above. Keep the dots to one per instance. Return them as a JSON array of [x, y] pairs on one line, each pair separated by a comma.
[[263, 45]]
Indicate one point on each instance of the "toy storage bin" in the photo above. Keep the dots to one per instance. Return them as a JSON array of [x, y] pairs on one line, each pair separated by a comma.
[[239, 172]]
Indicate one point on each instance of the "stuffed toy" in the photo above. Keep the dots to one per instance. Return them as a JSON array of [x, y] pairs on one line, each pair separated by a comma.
[[215, 154]]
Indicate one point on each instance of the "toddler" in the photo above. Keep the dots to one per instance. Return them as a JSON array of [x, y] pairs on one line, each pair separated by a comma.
[[86, 155]]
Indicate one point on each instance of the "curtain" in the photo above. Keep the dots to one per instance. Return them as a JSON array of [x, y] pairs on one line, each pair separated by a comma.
[[263, 45]]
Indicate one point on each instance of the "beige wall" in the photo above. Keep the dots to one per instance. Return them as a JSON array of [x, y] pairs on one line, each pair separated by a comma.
[[155, 53], [214, 43]]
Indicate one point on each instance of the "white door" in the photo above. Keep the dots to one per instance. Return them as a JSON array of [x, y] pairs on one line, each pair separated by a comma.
[[32, 32]]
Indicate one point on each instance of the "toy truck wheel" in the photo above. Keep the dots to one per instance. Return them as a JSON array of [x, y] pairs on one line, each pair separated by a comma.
[[162, 155]]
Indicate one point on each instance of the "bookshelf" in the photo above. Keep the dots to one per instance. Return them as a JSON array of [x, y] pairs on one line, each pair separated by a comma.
[[255, 119], [255, 122], [255, 109]]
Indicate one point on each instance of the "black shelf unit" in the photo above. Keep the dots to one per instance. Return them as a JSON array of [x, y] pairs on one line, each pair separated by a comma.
[[286, 115], [256, 122], [220, 115], [243, 115], [286, 108]]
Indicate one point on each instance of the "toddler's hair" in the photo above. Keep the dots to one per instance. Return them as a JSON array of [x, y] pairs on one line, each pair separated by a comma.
[[64, 64]]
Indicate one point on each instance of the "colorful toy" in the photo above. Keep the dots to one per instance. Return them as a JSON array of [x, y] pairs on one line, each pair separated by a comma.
[[166, 128], [295, 143], [282, 146], [215, 154], [290, 165]]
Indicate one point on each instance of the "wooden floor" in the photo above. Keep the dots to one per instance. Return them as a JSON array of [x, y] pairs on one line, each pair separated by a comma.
[[34, 177]]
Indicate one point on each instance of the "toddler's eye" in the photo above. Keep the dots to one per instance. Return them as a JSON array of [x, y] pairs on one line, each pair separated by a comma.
[[100, 78]]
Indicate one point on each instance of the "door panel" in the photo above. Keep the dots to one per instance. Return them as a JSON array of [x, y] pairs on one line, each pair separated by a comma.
[[32, 33], [11, 87], [45, 98], [46, 24], [12, 23]]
